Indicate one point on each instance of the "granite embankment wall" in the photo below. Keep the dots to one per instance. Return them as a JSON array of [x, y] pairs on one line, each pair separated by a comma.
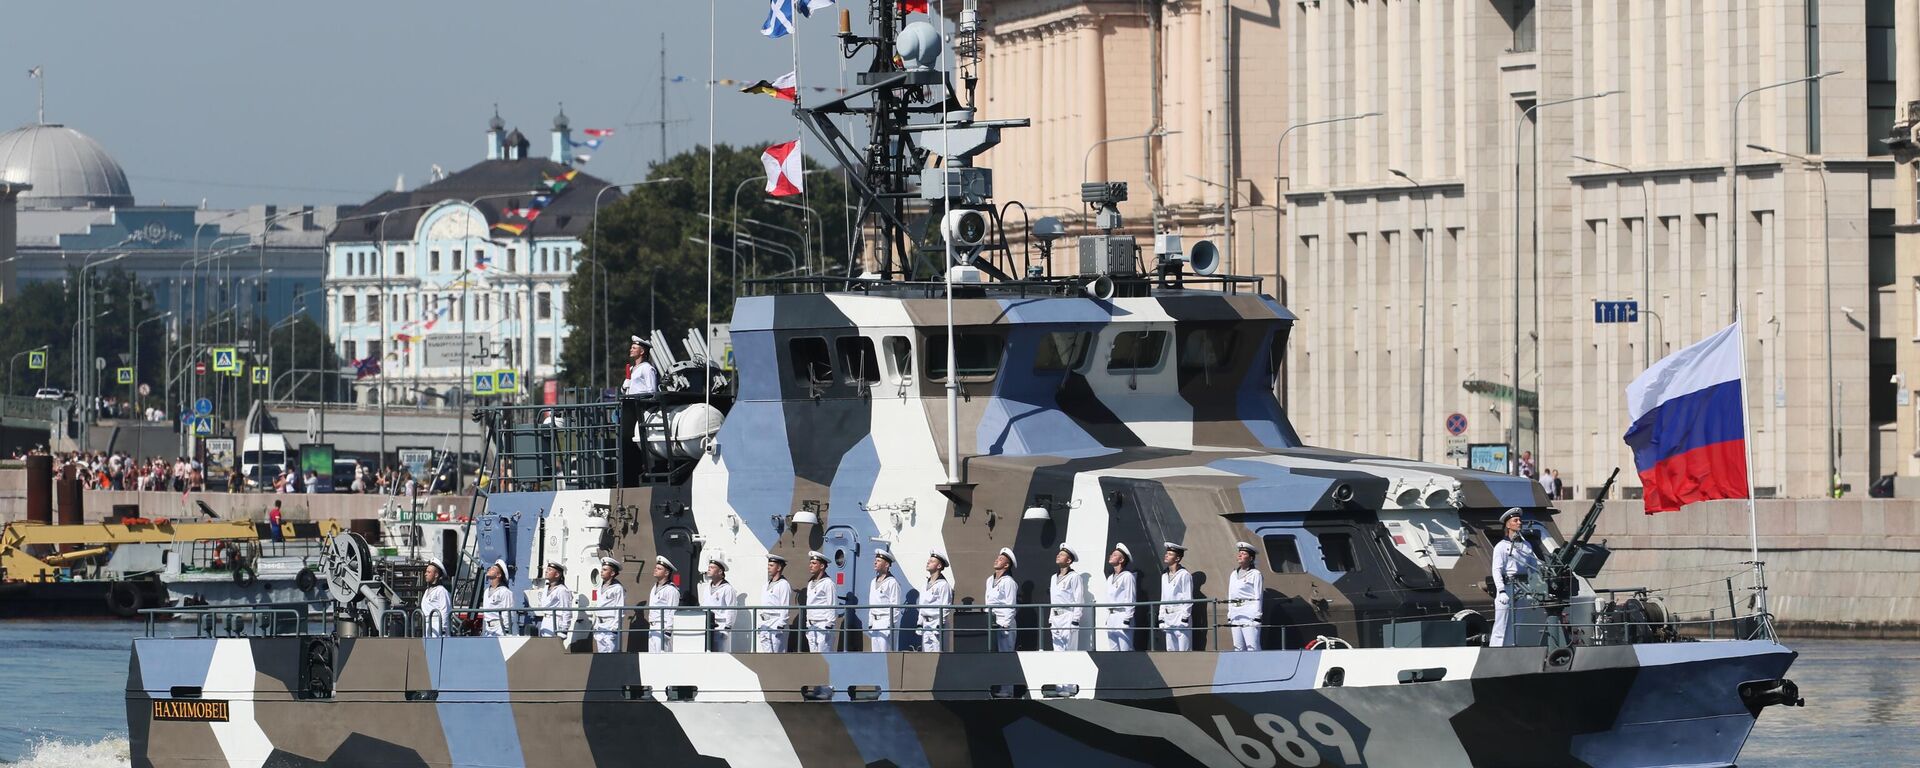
[[340, 506]]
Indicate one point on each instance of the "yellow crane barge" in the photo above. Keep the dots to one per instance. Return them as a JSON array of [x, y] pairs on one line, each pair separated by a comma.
[[98, 569]]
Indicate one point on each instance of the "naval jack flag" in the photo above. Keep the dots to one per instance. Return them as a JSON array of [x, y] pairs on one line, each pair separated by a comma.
[[1689, 431], [782, 163]]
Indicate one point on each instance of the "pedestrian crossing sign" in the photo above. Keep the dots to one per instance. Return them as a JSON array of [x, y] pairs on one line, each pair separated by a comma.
[[506, 381], [124, 376], [225, 360], [202, 426], [483, 383], [261, 373], [37, 360]]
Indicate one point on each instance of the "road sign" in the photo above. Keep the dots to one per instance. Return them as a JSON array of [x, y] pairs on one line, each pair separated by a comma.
[[36, 361], [200, 367], [506, 381], [225, 359], [203, 406], [146, 389], [1456, 424], [202, 426], [1616, 311], [483, 382], [261, 374], [99, 363], [123, 376], [313, 425]]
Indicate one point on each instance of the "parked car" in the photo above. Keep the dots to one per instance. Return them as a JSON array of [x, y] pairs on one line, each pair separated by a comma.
[[49, 393]]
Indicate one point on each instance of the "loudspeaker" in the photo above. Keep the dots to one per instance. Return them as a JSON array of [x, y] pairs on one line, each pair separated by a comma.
[[1204, 258], [1100, 288]]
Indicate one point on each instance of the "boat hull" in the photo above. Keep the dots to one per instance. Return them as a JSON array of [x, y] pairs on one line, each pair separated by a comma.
[[526, 701], [80, 599]]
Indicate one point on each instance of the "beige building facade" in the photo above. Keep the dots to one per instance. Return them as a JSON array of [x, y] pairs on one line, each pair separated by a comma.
[[1488, 206]]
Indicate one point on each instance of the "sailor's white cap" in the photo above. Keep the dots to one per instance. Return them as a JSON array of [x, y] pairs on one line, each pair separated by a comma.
[[1177, 549], [556, 565], [716, 558], [610, 561], [662, 560], [1070, 553], [1511, 512], [1011, 560], [773, 558], [1245, 547], [435, 562], [643, 342], [815, 554], [502, 565], [942, 555], [1121, 547], [884, 554]]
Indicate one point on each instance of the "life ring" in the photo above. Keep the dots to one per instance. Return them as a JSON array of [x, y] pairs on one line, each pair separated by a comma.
[[305, 580], [1328, 643], [124, 600], [243, 575]]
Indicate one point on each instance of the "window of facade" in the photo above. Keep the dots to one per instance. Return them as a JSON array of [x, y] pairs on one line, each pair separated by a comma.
[[976, 356], [433, 261], [546, 350], [811, 363], [399, 262], [857, 361], [1062, 350], [1137, 350], [350, 349], [1881, 96], [1881, 268], [512, 260], [545, 311], [459, 260], [373, 309], [347, 307]]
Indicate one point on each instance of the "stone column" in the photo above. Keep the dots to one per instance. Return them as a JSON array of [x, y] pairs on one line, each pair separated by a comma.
[[1092, 89]]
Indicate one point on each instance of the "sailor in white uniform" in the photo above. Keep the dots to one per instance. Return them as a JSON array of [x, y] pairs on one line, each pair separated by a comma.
[[495, 621], [555, 623], [664, 599], [772, 622], [884, 590], [1116, 621], [939, 591], [1176, 619], [1514, 563], [819, 614], [642, 377], [609, 594], [436, 605], [1245, 588], [1063, 617], [1001, 590], [715, 591]]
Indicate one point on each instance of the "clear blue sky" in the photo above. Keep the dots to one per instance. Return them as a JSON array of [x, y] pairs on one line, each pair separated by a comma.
[[247, 102]]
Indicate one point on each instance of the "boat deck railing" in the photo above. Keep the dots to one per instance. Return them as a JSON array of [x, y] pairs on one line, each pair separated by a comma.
[[553, 447]]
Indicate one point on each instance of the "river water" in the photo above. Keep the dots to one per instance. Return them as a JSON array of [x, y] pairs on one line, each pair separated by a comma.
[[62, 686]]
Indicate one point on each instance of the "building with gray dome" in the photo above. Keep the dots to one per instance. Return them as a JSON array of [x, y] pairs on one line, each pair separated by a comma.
[[67, 169]]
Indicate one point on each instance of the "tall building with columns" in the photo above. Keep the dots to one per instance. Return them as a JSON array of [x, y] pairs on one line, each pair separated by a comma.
[[464, 274], [1446, 254]]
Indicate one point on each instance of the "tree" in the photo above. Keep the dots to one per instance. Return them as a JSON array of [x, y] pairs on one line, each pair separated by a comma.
[[44, 313], [657, 273]]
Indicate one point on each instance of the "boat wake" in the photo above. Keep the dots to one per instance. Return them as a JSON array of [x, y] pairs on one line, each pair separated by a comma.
[[55, 753]]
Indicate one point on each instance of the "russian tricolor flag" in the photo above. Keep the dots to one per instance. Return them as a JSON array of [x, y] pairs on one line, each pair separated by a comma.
[[1689, 436]]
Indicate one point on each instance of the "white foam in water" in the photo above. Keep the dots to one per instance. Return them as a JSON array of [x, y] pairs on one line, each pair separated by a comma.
[[54, 753]]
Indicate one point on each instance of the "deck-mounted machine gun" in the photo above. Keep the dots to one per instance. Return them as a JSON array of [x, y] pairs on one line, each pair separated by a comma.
[[1578, 557]]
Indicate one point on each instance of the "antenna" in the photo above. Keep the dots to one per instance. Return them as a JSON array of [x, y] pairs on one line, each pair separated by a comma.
[[660, 120]]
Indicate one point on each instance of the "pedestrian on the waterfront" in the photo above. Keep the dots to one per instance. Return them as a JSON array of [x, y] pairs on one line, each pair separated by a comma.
[[1002, 591], [642, 378], [883, 591], [1176, 619], [494, 620], [312, 482], [1116, 620], [718, 596], [1246, 588], [273, 521], [772, 622], [554, 623], [1550, 483], [1526, 465], [436, 604], [938, 592], [1063, 618], [819, 614], [664, 598], [1514, 564], [610, 594]]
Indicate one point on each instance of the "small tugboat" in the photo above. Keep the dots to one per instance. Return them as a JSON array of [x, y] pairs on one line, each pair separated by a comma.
[[955, 406]]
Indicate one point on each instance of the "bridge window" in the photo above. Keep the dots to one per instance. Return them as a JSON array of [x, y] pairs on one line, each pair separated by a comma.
[[1205, 350], [1063, 351], [1137, 350], [1336, 550], [1283, 553], [857, 362], [976, 356], [812, 364], [901, 351]]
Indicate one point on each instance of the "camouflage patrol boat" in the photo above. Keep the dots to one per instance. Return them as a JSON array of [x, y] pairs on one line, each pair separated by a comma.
[[961, 407]]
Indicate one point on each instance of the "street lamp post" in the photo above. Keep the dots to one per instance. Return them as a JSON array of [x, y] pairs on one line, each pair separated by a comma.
[[1279, 161], [1733, 191], [1646, 256], [16, 358], [1514, 425], [1826, 256], [135, 343], [1426, 280]]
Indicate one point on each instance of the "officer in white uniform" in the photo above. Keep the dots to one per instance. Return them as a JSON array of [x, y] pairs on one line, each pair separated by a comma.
[[556, 595], [494, 621], [1245, 588], [939, 591], [714, 592], [1063, 618], [1001, 590], [884, 590], [1116, 620], [610, 594], [819, 614], [642, 377], [436, 605], [1176, 619], [1514, 563], [664, 599], [772, 637]]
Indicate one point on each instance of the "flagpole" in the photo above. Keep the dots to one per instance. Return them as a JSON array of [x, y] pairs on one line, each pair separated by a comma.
[[713, 17], [1746, 441], [799, 88], [953, 374]]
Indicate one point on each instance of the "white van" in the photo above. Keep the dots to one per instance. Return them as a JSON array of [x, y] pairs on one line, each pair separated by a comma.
[[262, 457]]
